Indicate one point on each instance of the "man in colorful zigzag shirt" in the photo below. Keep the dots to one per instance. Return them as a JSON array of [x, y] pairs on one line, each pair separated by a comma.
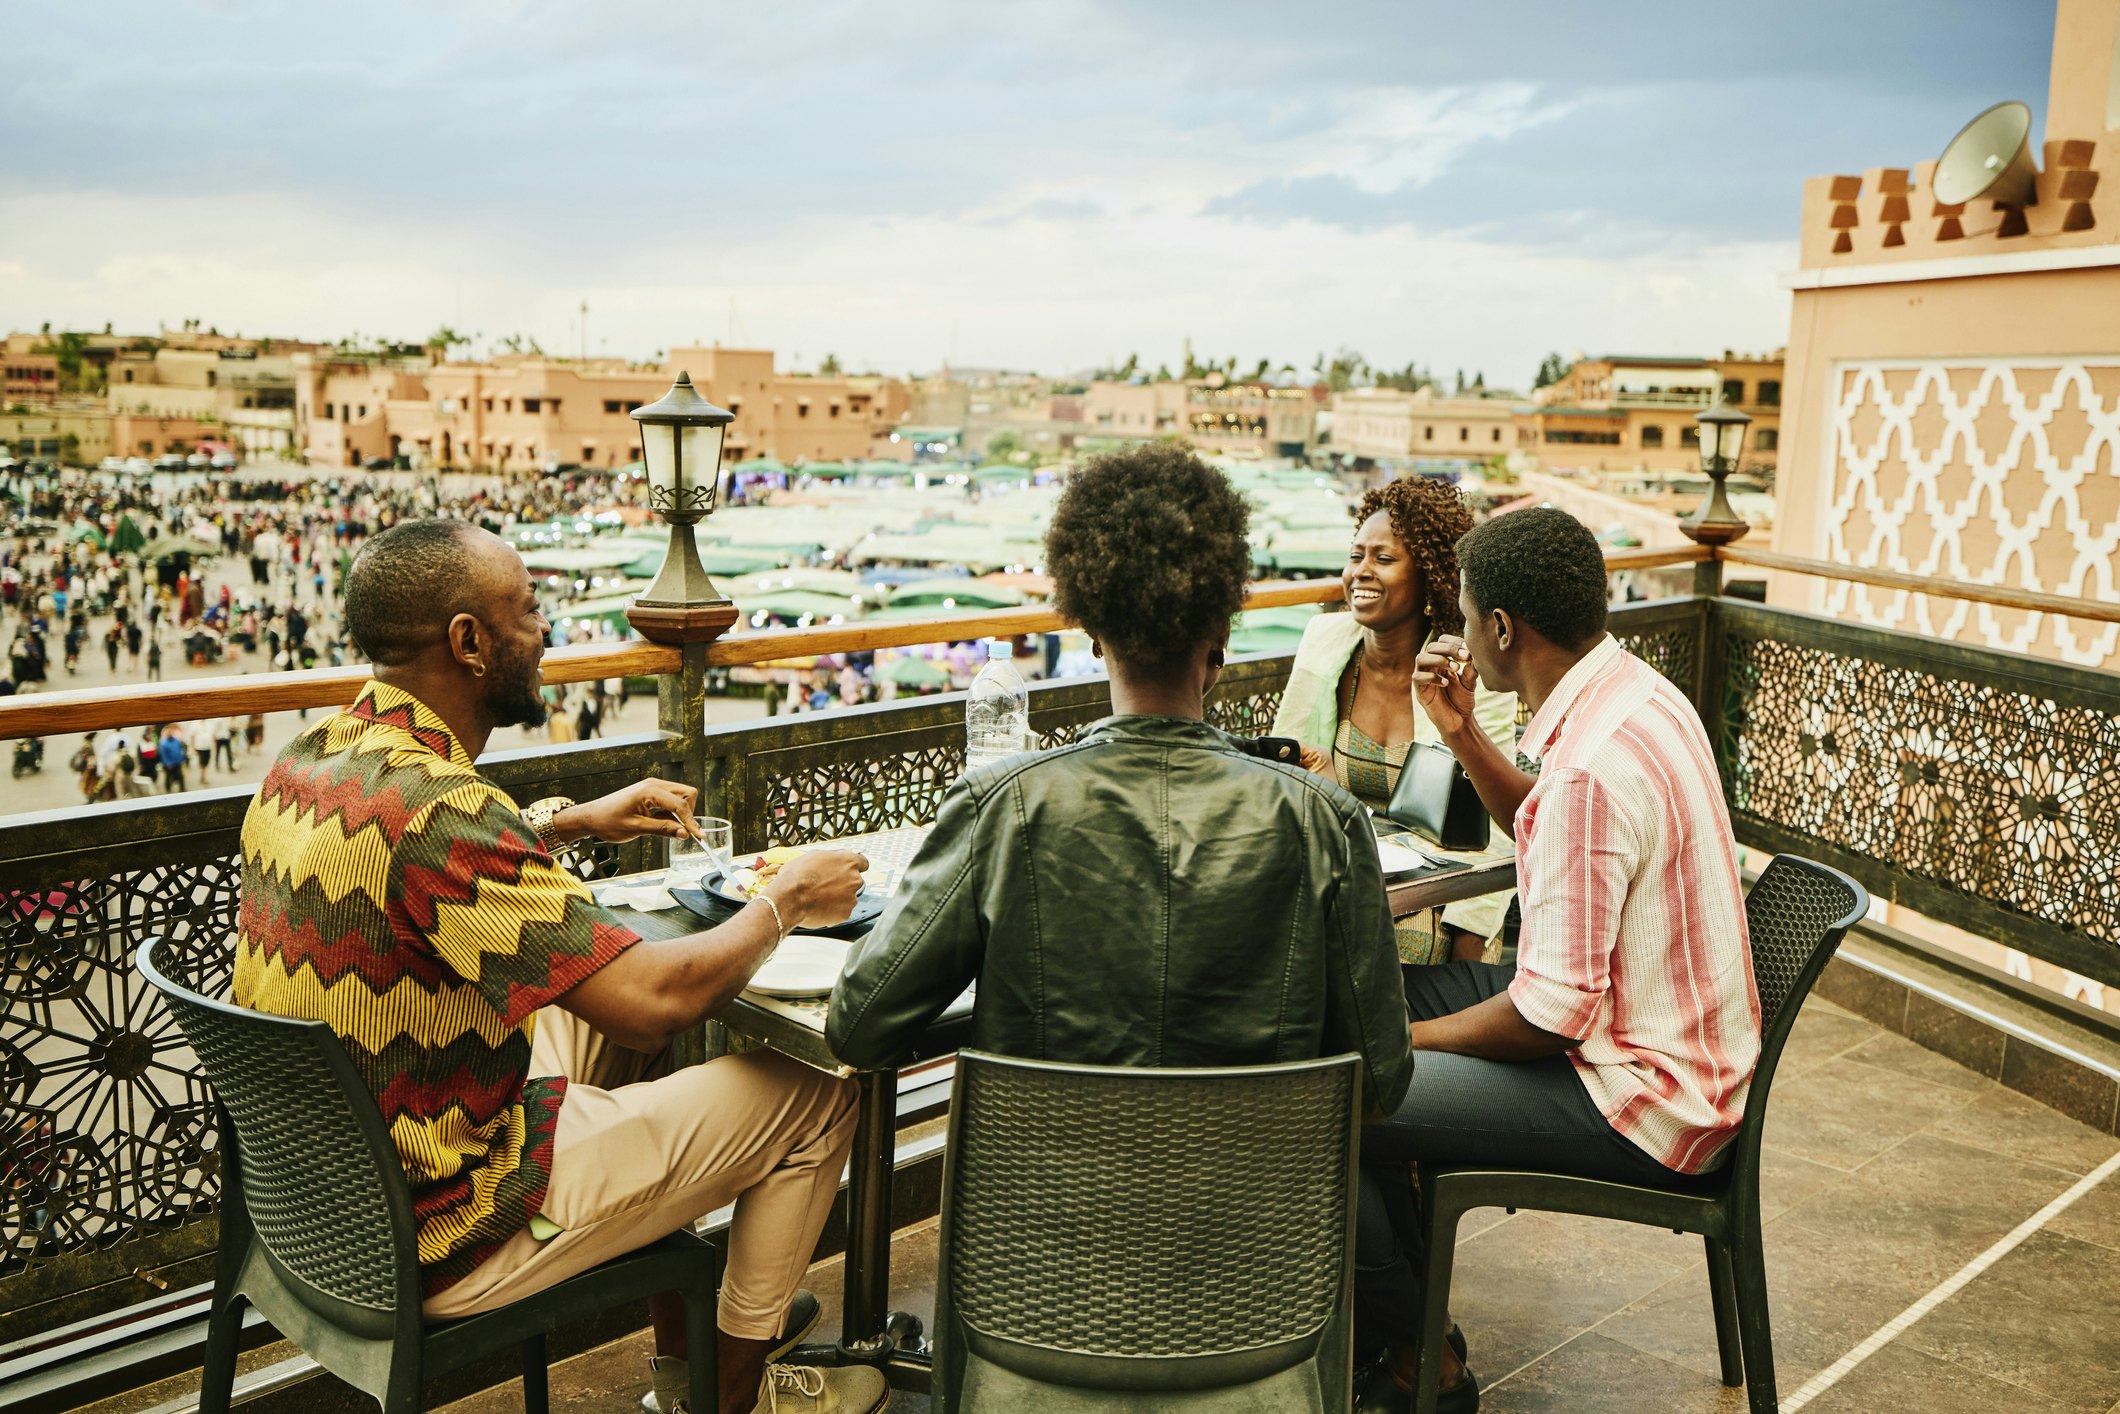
[[512, 1031]]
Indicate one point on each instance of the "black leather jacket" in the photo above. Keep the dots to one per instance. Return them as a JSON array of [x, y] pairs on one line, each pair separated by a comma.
[[1147, 896]]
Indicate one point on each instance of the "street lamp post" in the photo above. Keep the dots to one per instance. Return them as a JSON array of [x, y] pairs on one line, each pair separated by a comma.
[[680, 441], [1715, 521]]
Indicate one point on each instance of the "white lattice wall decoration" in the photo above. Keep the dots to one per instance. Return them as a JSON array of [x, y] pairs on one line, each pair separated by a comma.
[[1984, 471]]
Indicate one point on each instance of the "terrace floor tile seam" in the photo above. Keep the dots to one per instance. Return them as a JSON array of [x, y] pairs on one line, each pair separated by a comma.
[[1680, 1273], [1952, 1286], [1998, 1378], [1963, 1142], [1528, 1364]]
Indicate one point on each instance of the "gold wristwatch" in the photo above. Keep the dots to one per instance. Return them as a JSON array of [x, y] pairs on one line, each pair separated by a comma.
[[541, 817]]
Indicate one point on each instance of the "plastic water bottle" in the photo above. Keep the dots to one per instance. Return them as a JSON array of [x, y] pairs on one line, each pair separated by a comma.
[[997, 714]]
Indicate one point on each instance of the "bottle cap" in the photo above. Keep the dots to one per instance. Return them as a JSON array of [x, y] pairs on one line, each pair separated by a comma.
[[999, 648]]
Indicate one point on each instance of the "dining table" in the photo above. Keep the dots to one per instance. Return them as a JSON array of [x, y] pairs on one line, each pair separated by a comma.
[[870, 1332]]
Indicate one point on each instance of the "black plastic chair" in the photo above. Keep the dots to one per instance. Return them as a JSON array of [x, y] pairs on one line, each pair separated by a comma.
[[1119, 1239], [317, 1229], [1798, 912]]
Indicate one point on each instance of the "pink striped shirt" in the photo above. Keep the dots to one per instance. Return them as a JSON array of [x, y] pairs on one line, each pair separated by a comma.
[[1634, 939]]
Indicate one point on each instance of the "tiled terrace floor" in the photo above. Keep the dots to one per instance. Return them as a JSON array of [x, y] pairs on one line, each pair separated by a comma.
[[1890, 1168]]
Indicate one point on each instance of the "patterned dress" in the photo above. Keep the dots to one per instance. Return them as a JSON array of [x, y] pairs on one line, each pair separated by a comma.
[[1369, 770]]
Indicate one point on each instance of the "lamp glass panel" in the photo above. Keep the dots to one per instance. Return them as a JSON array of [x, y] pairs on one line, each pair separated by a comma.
[[701, 458], [1733, 442], [658, 448]]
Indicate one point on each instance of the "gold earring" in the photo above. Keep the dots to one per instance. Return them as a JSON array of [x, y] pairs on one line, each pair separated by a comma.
[[478, 670]]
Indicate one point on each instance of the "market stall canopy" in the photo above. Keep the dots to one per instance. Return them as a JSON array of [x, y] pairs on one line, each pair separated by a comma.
[[179, 545], [128, 537], [796, 603], [714, 559], [1027, 583], [760, 466], [841, 582], [1309, 560], [955, 593], [837, 471], [85, 530], [1276, 630], [908, 670], [608, 608]]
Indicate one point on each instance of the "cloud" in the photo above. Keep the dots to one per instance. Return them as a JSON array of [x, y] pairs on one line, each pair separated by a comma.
[[1048, 183]]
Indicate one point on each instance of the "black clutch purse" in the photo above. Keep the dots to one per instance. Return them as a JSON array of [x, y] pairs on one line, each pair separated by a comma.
[[1437, 801], [1270, 748]]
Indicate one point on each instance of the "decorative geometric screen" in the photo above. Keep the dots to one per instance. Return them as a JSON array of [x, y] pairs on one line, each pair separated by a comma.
[[1987, 472]]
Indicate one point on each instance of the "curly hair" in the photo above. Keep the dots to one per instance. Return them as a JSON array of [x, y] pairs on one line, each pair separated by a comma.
[[1148, 554], [1544, 568], [1429, 518]]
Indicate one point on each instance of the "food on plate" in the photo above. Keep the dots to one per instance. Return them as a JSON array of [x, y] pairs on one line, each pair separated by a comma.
[[746, 881]]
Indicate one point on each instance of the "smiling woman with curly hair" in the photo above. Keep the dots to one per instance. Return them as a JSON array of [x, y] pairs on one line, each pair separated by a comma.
[[1350, 693]]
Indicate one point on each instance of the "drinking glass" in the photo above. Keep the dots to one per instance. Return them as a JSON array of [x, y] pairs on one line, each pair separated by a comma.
[[692, 860]]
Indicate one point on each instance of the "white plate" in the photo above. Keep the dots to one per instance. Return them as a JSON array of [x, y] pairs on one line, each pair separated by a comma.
[[1398, 858], [803, 966]]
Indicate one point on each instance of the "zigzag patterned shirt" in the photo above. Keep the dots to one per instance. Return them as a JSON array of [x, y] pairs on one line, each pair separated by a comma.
[[394, 893]]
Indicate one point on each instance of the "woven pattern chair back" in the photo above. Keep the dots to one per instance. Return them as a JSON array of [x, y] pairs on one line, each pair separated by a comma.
[[1146, 1213], [312, 1156], [1796, 910]]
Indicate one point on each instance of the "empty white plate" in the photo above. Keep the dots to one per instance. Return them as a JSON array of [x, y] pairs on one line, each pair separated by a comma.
[[803, 966]]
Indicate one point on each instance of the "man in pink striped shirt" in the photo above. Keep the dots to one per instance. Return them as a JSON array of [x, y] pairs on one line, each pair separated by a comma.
[[1622, 1043]]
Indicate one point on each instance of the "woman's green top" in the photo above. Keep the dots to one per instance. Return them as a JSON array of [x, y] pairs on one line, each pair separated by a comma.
[[1310, 712]]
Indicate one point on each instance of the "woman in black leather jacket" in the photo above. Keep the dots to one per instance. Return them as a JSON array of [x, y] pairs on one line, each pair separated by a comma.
[[1149, 895]]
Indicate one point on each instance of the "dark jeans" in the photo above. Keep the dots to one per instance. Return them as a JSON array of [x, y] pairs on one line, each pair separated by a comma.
[[1465, 1110]]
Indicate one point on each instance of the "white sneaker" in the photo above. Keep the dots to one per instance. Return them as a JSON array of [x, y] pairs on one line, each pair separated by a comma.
[[819, 1389]]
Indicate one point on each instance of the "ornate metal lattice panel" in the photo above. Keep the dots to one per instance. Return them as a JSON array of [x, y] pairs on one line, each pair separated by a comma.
[[1669, 651], [858, 782], [1978, 787], [1244, 714], [830, 794], [110, 1132], [108, 1135]]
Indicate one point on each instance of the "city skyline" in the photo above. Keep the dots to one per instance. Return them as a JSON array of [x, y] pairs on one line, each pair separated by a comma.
[[1049, 187]]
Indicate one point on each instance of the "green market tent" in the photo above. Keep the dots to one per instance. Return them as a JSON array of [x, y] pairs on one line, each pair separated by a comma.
[[910, 671], [834, 471], [611, 608], [840, 582], [85, 530], [794, 603], [716, 560], [128, 537], [168, 546], [1310, 561], [760, 466], [960, 594], [1276, 630]]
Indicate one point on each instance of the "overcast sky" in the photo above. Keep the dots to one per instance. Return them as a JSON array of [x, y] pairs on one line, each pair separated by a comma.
[[1037, 183]]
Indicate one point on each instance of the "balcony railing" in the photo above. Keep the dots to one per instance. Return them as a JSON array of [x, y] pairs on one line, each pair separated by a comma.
[[1977, 786]]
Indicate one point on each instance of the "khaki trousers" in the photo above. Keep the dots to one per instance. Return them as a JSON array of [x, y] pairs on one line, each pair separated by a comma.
[[636, 1158]]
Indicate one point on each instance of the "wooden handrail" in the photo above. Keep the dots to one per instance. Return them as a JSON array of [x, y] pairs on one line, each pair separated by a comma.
[[1658, 558], [92, 709], [1998, 595], [98, 709]]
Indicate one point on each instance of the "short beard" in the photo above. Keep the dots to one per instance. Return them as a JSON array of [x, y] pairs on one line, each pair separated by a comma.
[[514, 699]]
